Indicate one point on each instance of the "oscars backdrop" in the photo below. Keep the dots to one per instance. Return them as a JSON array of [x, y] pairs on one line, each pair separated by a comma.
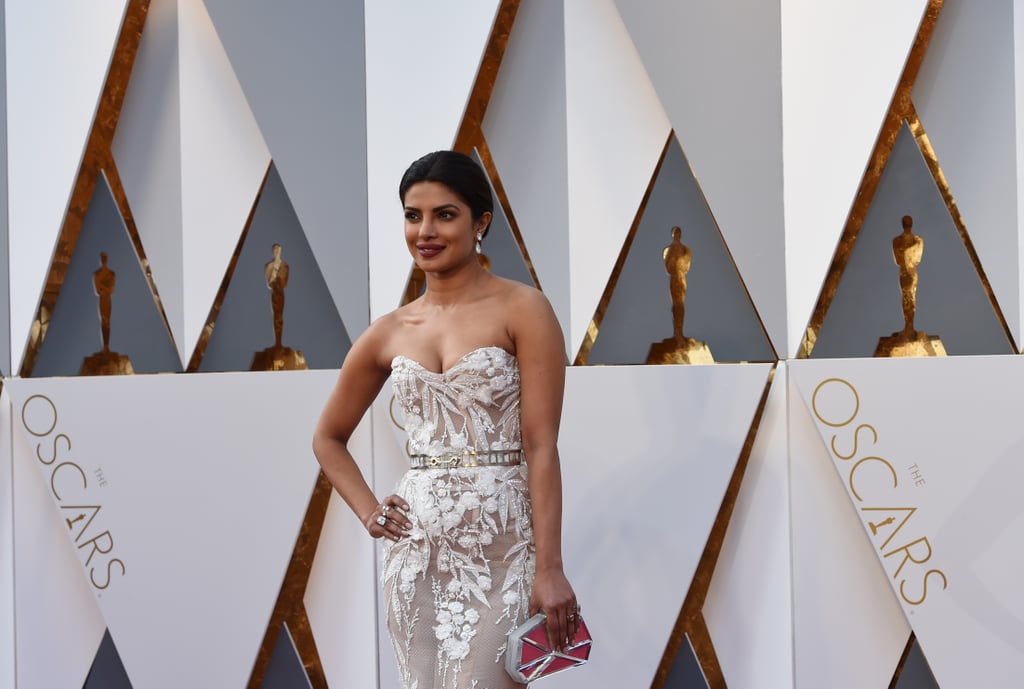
[[783, 240]]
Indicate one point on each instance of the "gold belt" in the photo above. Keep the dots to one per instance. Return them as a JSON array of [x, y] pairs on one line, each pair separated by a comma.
[[468, 458]]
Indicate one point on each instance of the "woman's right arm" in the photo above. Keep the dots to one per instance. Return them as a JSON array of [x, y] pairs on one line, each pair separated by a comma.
[[361, 378]]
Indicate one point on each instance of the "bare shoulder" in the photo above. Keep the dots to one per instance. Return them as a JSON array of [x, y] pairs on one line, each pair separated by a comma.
[[375, 342], [525, 298], [530, 317]]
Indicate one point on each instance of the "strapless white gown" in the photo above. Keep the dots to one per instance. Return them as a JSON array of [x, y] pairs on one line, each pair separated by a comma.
[[455, 588]]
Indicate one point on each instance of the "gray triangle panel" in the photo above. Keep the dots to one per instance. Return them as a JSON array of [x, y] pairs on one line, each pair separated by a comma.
[[951, 300], [718, 308], [285, 669], [686, 672], [137, 328], [500, 244], [245, 324], [107, 671], [916, 674]]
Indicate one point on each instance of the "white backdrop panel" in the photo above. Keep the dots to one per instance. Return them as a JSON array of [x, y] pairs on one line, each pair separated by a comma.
[[147, 150], [1018, 91], [223, 162], [411, 111], [749, 607], [934, 474], [617, 129], [525, 127], [965, 98], [172, 476], [55, 73], [58, 625], [835, 95], [848, 630], [630, 433], [6, 544], [341, 594], [725, 104], [5, 286]]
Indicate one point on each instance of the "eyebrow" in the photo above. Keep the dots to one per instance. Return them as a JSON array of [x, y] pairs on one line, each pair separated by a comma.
[[443, 206]]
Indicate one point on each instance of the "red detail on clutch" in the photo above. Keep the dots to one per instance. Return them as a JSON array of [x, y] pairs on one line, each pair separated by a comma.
[[528, 656], [531, 653]]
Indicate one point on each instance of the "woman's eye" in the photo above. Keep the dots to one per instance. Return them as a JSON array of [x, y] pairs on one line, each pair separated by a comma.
[[446, 215], [410, 216]]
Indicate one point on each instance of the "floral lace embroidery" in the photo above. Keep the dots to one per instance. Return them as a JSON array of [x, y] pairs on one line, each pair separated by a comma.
[[463, 576], [473, 404]]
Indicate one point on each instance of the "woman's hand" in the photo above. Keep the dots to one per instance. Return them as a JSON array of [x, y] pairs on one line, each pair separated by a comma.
[[553, 596], [389, 519]]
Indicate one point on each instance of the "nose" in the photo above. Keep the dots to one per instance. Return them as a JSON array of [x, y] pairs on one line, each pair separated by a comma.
[[426, 229]]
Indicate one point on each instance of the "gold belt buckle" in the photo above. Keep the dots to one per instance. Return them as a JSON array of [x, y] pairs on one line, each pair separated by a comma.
[[466, 459], [444, 461]]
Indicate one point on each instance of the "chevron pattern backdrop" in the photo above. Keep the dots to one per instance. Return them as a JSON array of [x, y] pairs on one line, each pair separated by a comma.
[[799, 514]]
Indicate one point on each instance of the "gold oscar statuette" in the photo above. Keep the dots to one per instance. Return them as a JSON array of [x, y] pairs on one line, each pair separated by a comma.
[[678, 349], [105, 362], [907, 249], [278, 357]]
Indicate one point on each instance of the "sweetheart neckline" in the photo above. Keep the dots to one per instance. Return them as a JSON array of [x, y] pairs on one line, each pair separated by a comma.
[[458, 362]]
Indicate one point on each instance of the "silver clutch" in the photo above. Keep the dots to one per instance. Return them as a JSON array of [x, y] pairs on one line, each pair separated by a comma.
[[528, 656]]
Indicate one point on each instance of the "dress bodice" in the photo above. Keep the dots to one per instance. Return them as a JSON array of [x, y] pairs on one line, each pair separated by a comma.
[[474, 404]]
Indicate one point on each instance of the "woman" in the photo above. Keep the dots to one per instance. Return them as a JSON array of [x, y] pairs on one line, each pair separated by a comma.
[[474, 529]]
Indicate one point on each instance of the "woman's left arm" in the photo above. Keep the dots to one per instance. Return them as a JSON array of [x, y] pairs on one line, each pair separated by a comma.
[[540, 350]]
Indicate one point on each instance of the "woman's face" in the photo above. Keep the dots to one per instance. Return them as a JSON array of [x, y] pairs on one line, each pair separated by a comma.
[[439, 227]]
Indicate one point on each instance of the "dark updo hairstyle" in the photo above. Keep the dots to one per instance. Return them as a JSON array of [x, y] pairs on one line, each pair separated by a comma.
[[458, 172]]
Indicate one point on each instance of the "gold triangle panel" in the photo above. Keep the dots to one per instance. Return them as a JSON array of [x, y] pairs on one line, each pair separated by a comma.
[[470, 131]]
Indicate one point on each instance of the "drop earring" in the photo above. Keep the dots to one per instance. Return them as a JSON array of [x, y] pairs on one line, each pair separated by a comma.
[[479, 238]]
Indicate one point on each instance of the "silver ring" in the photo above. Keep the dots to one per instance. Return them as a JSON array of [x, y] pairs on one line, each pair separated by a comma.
[[384, 508], [382, 520]]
